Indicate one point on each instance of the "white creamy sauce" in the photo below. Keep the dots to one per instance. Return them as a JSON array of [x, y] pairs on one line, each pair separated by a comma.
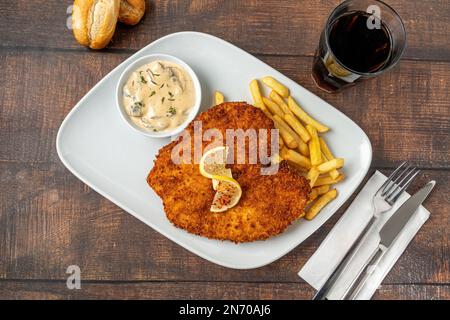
[[159, 96]]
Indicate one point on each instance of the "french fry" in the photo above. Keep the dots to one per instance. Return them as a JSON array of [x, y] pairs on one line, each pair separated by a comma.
[[283, 153], [313, 174], [328, 180], [280, 101], [275, 85], [303, 147], [297, 167], [266, 112], [290, 141], [334, 164], [256, 94], [328, 156], [273, 107], [302, 115], [299, 131], [297, 158], [286, 136], [257, 98], [320, 203], [324, 147], [334, 174], [315, 192], [218, 97], [276, 158], [280, 141], [314, 146], [321, 190], [312, 197], [298, 127]]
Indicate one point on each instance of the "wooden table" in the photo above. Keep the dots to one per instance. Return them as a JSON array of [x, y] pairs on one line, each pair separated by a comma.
[[50, 220]]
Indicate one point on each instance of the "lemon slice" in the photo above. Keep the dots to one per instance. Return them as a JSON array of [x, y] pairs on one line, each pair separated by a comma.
[[226, 173], [213, 163], [228, 194], [337, 70], [228, 190]]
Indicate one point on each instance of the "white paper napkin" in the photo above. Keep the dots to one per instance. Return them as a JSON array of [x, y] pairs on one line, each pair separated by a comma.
[[332, 250]]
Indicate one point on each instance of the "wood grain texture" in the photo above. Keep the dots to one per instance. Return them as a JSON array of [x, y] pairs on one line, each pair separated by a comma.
[[399, 111], [200, 290], [263, 27], [50, 220]]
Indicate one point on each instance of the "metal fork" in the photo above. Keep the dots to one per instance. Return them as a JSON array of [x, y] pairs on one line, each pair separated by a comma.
[[382, 201]]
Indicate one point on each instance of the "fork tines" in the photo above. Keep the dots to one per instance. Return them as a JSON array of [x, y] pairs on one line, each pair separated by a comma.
[[398, 181]]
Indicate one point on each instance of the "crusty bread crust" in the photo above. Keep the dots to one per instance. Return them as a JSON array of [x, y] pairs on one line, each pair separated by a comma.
[[131, 11], [94, 22]]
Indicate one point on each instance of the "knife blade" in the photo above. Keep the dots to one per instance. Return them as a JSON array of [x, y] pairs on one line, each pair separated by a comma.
[[400, 218], [388, 233]]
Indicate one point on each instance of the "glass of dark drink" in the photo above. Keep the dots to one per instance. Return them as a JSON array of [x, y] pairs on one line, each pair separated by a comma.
[[361, 39]]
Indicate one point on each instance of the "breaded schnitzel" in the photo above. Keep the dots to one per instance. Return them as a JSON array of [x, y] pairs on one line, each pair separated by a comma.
[[269, 203]]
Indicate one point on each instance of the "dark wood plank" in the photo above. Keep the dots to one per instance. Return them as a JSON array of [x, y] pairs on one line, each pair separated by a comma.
[[199, 290], [405, 113], [50, 220], [269, 27]]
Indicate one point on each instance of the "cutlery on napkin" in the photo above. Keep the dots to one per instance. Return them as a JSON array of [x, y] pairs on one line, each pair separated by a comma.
[[322, 263]]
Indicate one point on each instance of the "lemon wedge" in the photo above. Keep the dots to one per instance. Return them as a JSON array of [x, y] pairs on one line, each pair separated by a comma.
[[213, 162], [228, 194], [228, 190], [226, 173], [335, 69]]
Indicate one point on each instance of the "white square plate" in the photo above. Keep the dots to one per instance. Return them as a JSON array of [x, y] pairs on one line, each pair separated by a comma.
[[96, 146]]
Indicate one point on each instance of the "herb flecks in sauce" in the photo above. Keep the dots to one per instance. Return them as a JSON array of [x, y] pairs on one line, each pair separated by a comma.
[[136, 109], [172, 111], [145, 100], [153, 74]]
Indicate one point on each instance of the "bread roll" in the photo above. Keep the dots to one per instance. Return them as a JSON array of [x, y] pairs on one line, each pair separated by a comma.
[[94, 22], [131, 11]]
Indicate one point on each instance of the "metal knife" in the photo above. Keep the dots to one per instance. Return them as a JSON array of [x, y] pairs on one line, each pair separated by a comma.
[[388, 234]]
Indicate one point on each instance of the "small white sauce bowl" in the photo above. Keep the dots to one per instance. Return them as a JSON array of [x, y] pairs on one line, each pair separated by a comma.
[[143, 61]]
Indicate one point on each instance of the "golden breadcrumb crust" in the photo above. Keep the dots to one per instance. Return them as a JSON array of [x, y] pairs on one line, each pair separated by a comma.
[[269, 203]]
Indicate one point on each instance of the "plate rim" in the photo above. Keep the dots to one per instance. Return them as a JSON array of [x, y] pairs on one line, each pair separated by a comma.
[[185, 245]]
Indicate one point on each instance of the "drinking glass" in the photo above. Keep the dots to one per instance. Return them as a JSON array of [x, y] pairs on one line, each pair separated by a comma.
[[361, 39]]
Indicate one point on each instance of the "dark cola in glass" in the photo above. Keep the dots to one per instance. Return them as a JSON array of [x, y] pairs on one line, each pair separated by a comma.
[[361, 40]]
